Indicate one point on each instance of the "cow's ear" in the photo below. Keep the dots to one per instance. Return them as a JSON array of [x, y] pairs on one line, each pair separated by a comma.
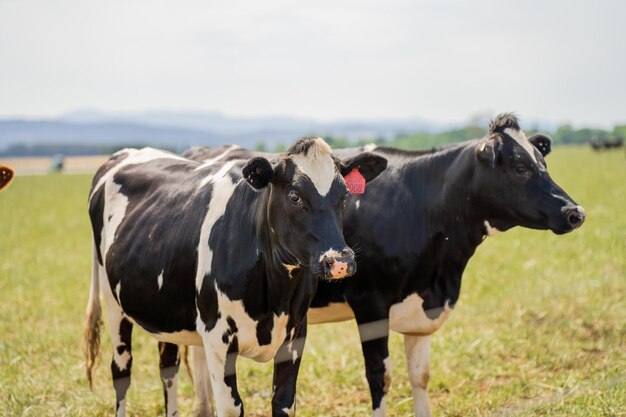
[[258, 172], [542, 142], [487, 152], [6, 176], [368, 164]]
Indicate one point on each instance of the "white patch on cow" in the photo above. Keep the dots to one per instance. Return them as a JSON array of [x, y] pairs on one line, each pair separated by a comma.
[[160, 280], [318, 165], [522, 140], [370, 147], [215, 177], [115, 317], [169, 385], [331, 313], [223, 189], [183, 337], [220, 157], [291, 411], [417, 351], [121, 408], [409, 317], [203, 393], [357, 204], [491, 231], [118, 289], [135, 157], [216, 354], [247, 329], [114, 211]]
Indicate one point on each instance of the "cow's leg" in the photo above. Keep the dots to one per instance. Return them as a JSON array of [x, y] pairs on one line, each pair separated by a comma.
[[121, 332], [374, 332], [168, 365], [417, 349], [221, 358], [203, 402], [286, 365]]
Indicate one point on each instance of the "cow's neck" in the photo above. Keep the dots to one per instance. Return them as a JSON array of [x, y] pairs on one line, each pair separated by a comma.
[[454, 224]]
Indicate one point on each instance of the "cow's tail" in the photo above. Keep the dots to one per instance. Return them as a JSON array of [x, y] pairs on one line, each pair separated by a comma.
[[93, 320]]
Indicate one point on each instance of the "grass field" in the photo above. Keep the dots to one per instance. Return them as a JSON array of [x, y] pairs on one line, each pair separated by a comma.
[[539, 330]]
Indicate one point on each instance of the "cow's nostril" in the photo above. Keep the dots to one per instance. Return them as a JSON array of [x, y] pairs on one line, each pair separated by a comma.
[[574, 219], [346, 253], [575, 216], [328, 261]]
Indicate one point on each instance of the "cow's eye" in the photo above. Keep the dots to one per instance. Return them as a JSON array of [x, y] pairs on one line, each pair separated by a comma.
[[522, 170], [294, 197]]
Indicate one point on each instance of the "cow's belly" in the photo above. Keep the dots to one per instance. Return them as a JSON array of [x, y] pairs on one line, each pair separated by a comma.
[[408, 317], [184, 337], [331, 313]]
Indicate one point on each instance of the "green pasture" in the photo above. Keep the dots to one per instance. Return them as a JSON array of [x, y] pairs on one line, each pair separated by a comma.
[[540, 328]]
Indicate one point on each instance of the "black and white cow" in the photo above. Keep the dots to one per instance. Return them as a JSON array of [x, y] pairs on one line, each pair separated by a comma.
[[221, 255], [417, 227]]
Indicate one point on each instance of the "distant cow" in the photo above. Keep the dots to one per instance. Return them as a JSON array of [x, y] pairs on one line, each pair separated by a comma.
[[222, 255], [6, 176], [598, 144], [417, 227]]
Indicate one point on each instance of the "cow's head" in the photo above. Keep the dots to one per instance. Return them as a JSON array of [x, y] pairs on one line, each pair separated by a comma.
[[513, 182], [306, 202]]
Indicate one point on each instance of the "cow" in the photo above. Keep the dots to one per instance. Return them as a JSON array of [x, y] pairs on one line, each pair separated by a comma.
[[417, 227], [600, 144], [6, 176], [223, 255]]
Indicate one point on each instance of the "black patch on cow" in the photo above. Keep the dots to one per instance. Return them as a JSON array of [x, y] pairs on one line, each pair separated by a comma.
[[168, 355], [264, 330], [232, 326], [231, 330], [504, 121], [209, 313], [96, 212]]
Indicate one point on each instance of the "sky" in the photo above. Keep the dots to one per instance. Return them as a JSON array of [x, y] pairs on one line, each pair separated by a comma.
[[445, 61]]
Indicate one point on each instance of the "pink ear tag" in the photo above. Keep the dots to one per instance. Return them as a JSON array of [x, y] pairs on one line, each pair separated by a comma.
[[355, 182]]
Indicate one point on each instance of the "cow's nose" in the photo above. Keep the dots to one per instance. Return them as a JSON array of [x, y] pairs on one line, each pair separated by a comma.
[[339, 264], [575, 216]]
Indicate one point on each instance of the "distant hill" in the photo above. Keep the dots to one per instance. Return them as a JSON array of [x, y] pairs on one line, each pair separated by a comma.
[[90, 132]]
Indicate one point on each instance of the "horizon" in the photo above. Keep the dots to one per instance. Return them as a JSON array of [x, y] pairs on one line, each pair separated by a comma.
[[73, 116]]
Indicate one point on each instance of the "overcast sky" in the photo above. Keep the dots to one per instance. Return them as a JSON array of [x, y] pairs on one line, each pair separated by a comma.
[[554, 61]]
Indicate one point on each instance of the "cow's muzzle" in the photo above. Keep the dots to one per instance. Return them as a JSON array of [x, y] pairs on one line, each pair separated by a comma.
[[337, 264], [574, 216]]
